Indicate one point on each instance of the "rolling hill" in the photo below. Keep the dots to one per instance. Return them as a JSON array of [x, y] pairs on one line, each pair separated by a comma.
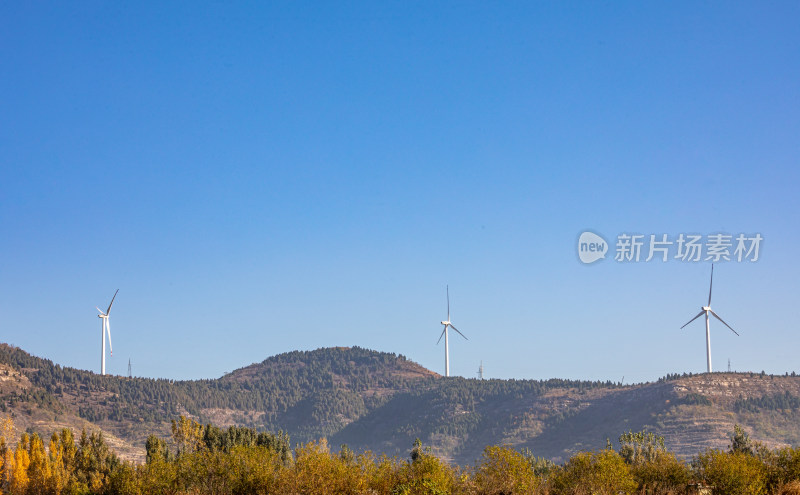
[[383, 401]]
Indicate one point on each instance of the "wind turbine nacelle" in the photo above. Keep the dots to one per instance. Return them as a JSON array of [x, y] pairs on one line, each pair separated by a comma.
[[445, 323], [706, 308]]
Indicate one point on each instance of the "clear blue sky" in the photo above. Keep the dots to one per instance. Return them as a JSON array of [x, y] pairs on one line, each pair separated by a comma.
[[257, 179]]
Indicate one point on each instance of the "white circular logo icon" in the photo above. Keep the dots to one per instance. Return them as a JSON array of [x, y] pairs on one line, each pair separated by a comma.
[[591, 247]]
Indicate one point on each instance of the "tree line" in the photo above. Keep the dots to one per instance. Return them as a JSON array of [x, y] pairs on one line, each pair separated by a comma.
[[204, 459]]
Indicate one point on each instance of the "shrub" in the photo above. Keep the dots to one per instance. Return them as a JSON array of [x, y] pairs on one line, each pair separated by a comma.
[[316, 471], [424, 474], [665, 473], [733, 473], [505, 470], [600, 473], [785, 467]]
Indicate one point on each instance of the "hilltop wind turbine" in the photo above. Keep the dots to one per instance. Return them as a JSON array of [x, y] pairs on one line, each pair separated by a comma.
[[105, 329], [445, 334], [706, 310]]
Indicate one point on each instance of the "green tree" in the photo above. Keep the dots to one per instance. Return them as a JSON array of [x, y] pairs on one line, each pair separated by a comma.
[[740, 441], [94, 462], [156, 449], [124, 480], [637, 448], [69, 454]]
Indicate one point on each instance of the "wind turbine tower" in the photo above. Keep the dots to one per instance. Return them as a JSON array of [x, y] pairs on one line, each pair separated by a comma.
[[106, 328], [706, 310], [480, 371], [444, 334]]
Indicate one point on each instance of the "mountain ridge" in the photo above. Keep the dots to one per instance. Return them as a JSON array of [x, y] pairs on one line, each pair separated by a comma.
[[383, 401]]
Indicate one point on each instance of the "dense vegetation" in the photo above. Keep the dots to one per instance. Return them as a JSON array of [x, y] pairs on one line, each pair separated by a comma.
[[281, 389], [201, 459], [309, 394], [774, 402]]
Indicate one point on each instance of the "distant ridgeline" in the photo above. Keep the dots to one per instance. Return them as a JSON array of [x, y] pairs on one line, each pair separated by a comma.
[[383, 402], [308, 394]]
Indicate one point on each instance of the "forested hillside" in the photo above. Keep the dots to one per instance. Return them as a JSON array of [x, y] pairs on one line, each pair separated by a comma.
[[383, 402], [309, 394]]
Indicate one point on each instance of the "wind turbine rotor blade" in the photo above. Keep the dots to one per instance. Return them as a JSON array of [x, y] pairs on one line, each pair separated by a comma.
[[696, 317], [442, 335], [711, 284], [456, 329], [99, 311], [448, 303], [723, 322], [112, 302]]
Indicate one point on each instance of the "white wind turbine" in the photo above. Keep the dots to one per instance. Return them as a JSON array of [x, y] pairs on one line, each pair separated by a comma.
[[445, 334], [106, 328], [707, 310]]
